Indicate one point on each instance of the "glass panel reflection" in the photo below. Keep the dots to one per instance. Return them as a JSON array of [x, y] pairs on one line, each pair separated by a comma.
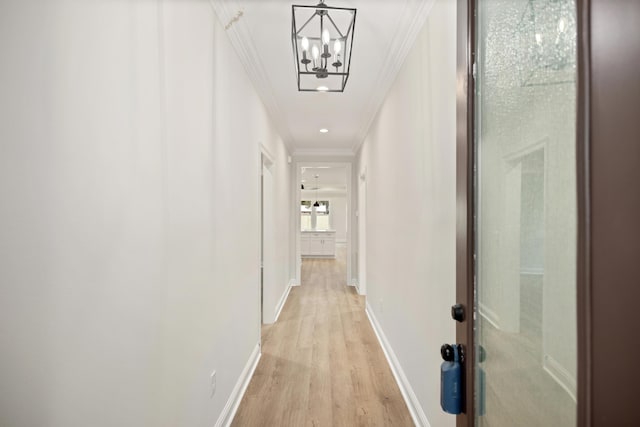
[[526, 213]]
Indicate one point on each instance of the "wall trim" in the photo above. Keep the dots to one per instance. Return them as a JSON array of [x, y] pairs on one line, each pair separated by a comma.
[[267, 158], [356, 284], [560, 375], [293, 282], [282, 302], [323, 152], [230, 409], [229, 14], [400, 46], [410, 398], [240, 37]]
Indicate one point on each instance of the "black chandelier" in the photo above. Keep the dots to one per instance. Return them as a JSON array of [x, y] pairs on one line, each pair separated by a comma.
[[322, 46]]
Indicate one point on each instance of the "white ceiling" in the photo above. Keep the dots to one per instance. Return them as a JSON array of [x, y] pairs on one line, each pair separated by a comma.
[[260, 31], [330, 178]]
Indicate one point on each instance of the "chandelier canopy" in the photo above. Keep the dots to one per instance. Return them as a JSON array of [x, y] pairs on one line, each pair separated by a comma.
[[322, 38]]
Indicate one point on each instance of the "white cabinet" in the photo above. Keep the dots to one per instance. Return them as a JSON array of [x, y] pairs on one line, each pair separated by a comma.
[[318, 244]]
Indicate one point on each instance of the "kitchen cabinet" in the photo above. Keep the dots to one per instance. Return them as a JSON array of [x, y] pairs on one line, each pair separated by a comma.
[[318, 244]]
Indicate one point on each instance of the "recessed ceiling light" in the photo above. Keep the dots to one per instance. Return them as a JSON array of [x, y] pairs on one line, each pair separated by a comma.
[[323, 130], [322, 88]]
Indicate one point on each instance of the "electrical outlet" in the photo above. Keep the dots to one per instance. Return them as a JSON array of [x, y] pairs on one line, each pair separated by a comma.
[[213, 383]]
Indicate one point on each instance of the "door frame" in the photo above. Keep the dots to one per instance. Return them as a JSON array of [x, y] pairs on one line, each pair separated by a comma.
[[465, 196], [266, 162], [362, 233], [350, 204], [608, 208]]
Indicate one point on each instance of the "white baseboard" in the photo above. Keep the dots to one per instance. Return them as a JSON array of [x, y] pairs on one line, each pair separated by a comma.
[[293, 282], [283, 300], [410, 398], [229, 411], [357, 286], [560, 375]]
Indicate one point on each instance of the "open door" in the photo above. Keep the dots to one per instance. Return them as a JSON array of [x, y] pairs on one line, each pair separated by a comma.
[[546, 206]]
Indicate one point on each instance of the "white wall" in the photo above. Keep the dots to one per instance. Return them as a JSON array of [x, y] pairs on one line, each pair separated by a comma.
[[129, 260], [409, 155], [338, 206]]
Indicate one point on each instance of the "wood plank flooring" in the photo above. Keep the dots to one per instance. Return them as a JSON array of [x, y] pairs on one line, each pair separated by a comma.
[[321, 363]]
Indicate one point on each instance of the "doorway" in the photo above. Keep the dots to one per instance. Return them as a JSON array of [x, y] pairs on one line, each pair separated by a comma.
[[323, 213], [268, 244]]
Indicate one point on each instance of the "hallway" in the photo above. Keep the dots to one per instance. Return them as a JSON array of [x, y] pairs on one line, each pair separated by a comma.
[[321, 362], [163, 173]]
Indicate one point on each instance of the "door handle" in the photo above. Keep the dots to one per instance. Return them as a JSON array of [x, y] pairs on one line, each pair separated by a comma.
[[457, 312], [451, 378]]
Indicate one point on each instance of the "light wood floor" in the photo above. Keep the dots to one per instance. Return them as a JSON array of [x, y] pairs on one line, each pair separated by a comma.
[[321, 363]]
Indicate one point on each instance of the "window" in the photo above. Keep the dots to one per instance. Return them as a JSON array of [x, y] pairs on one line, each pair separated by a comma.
[[322, 215]]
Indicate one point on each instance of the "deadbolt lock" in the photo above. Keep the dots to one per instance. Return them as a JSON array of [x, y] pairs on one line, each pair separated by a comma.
[[457, 312]]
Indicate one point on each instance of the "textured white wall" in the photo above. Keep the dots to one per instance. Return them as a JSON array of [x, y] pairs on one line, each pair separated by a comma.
[[409, 155], [129, 260]]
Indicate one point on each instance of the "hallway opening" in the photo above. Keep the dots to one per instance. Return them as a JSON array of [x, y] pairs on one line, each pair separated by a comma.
[[324, 213]]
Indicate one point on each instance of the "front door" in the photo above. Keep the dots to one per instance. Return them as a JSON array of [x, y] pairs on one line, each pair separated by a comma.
[[525, 213]]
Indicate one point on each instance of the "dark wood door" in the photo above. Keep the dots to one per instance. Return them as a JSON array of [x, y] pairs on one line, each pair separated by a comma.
[[607, 236]]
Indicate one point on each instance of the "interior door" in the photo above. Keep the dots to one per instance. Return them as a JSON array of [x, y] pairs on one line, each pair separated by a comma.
[[525, 327]]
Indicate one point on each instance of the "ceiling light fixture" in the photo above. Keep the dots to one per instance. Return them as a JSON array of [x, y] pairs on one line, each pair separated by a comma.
[[323, 130], [322, 46]]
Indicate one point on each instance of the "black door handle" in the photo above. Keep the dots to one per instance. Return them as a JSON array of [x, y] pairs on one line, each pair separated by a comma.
[[457, 312]]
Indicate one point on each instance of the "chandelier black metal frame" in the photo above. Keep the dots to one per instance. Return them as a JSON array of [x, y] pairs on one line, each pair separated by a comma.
[[322, 46]]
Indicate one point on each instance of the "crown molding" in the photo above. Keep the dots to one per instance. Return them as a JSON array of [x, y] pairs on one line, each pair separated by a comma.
[[323, 152], [229, 15], [401, 45]]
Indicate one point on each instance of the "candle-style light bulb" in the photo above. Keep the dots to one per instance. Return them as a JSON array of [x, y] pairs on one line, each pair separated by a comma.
[[337, 47], [315, 52], [305, 43], [326, 38]]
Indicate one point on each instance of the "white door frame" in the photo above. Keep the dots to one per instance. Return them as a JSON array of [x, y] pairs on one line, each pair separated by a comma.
[[298, 198], [362, 231], [266, 162]]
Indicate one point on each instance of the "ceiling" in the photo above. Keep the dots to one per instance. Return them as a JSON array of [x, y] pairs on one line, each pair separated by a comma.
[[260, 31], [330, 178]]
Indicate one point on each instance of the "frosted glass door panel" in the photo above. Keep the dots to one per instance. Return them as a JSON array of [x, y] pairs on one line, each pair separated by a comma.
[[525, 321]]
